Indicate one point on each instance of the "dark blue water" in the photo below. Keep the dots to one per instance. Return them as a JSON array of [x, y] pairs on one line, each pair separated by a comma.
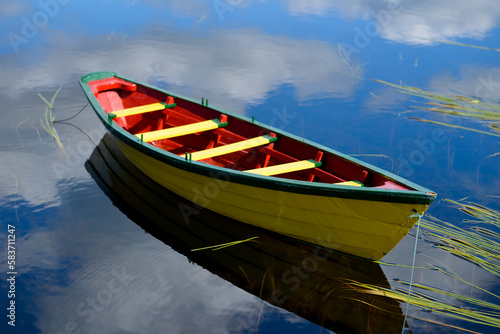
[[83, 262]]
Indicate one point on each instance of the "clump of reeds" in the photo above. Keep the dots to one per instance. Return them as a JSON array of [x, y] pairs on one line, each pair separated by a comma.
[[479, 244], [482, 213], [48, 121], [477, 311], [454, 105]]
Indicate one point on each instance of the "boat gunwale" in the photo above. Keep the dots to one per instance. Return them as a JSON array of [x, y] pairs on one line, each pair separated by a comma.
[[420, 195]]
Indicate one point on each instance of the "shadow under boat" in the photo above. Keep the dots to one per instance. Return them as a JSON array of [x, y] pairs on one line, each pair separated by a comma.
[[307, 280]]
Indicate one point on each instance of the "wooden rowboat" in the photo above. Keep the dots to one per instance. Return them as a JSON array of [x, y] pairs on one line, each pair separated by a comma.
[[255, 173]]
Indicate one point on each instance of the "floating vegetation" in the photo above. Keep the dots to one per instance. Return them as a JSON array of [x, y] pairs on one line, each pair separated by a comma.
[[478, 311], [458, 126], [479, 245], [48, 121], [354, 70], [461, 44], [227, 244], [472, 246], [484, 214], [456, 105]]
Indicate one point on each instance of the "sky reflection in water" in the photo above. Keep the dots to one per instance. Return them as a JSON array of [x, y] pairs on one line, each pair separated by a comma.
[[305, 68]]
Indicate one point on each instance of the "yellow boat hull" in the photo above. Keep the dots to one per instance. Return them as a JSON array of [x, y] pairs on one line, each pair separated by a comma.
[[365, 228]]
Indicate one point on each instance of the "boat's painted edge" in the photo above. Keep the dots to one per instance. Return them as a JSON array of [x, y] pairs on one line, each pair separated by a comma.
[[97, 76], [420, 195]]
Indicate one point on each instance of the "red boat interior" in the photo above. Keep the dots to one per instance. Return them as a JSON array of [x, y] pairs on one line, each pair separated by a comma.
[[197, 132]]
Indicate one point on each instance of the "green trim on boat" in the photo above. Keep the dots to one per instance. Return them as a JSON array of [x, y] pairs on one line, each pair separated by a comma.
[[97, 76]]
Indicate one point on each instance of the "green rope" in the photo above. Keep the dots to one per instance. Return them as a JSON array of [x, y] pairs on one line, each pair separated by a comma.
[[416, 214]]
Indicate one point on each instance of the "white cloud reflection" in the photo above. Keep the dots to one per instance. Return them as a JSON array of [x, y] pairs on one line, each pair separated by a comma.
[[124, 280], [115, 294], [412, 22], [238, 67]]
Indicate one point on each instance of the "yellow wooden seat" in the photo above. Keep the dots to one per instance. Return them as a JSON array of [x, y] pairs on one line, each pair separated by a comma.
[[350, 183], [181, 130], [285, 168], [231, 148], [141, 109]]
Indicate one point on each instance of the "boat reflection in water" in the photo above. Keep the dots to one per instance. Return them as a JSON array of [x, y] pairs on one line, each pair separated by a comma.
[[307, 280]]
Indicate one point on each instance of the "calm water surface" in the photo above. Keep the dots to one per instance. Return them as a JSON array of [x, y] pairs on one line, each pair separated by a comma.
[[84, 263]]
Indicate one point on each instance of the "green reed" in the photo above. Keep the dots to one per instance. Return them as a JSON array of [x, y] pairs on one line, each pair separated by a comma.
[[224, 245], [455, 105], [479, 245], [48, 120], [461, 44], [477, 311]]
